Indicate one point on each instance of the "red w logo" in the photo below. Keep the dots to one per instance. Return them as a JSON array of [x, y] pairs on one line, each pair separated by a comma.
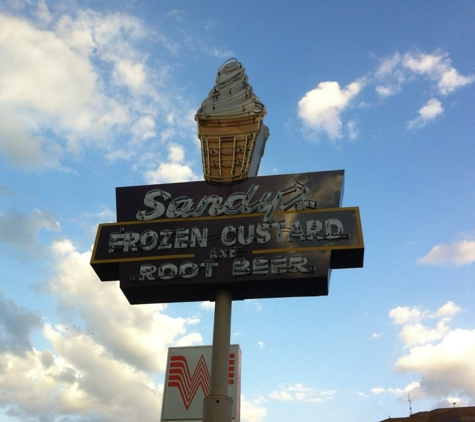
[[179, 376]]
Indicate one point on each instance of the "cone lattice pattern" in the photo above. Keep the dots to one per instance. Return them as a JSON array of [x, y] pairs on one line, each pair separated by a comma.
[[227, 146]]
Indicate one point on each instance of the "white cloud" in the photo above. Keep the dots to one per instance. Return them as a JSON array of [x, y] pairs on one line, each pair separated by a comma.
[[114, 39], [422, 63], [16, 325], [398, 392], [21, 146], [280, 396], [176, 153], [320, 109], [139, 335], [446, 368], [252, 410], [380, 390], [86, 359], [388, 66], [130, 74], [404, 315], [207, 305], [82, 381], [172, 171], [376, 335], [427, 114], [298, 392], [447, 311], [387, 91], [455, 401], [442, 356], [420, 334], [458, 253], [254, 303], [21, 230], [71, 83], [42, 12], [413, 332], [352, 130], [451, 80], [102, 366], [399, 69], [105, 215], [392, 75], [143, 129], [52, 85], [439, 68]]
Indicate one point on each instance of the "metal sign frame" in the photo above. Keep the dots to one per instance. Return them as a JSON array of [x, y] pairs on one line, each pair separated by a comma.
[[274, 236]]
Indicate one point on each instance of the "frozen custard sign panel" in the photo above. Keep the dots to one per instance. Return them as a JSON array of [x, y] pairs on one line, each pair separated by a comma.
[[178, 242]]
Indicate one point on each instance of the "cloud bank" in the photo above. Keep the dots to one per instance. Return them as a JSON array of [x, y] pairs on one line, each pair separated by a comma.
[[457, 253], [440, 355], [101, 366], [321, 110], [72, 85]]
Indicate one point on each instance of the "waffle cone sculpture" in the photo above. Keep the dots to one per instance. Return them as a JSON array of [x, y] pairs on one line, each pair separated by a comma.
[[229, 122]]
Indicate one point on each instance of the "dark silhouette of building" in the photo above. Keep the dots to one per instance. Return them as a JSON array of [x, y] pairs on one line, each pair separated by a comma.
[[453, 414]]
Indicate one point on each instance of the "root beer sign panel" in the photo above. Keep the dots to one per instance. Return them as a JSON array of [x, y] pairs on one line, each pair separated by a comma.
[[274, 236]]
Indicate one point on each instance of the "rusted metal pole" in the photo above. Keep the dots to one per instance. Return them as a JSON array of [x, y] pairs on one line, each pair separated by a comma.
[[217, 407]]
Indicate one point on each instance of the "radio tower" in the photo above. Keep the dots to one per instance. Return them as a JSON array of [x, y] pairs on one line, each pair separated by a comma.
[[410, 404]]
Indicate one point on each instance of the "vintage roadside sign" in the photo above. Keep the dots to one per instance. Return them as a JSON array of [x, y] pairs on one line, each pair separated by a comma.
[[273, 236], [187, 382]]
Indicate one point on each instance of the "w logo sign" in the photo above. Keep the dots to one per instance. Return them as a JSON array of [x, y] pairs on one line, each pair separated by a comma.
[[180, 377], [188, 381]]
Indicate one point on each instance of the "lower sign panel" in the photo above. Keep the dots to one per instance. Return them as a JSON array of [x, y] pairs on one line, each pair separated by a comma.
[[187, 382], [304, 273]]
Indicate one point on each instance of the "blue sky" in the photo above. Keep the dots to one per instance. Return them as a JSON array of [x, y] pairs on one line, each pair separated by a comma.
[[95, 95]]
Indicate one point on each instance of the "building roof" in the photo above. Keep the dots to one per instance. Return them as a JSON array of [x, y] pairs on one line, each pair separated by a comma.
[[453, 414]]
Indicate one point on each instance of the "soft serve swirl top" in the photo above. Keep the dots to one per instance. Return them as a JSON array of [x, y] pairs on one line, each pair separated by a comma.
[[232, 96]]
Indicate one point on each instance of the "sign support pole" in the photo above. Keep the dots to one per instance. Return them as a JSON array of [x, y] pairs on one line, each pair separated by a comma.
[[217, 407]]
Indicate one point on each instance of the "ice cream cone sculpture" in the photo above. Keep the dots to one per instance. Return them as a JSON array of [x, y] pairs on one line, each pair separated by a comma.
[[229, 122]]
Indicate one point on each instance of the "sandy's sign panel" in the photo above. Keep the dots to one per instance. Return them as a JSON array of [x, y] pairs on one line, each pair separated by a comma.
[[274, 236], [187, 382]]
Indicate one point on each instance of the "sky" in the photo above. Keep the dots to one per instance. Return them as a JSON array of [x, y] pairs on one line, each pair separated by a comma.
[[98, 94]]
